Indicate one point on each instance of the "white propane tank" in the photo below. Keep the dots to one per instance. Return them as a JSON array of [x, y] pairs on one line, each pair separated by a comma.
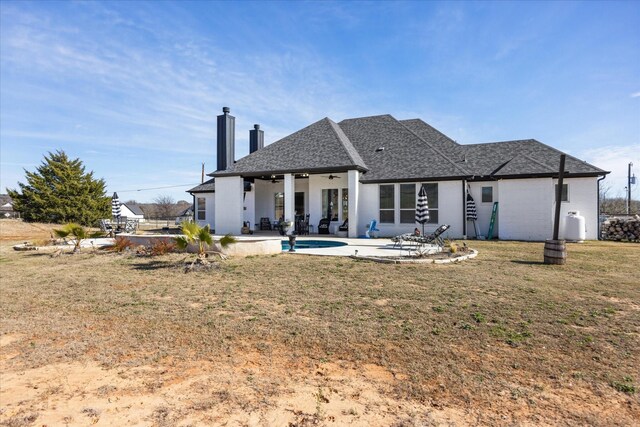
[[575, 228]]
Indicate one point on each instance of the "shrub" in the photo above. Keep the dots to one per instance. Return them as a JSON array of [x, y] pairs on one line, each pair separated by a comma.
[[162, 247], [121, 244]]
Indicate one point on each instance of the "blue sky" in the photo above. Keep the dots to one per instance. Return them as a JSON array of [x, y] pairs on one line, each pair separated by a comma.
[[133, 88]]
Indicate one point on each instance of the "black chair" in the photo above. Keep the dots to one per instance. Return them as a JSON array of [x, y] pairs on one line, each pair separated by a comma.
[[344, 226], [304, 226], [323, 226], [265, 224]]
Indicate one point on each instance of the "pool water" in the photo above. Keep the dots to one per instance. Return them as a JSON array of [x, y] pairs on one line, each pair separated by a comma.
[[312, 244]]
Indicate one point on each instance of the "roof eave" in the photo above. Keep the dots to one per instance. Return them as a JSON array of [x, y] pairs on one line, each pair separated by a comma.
[[292, 171]]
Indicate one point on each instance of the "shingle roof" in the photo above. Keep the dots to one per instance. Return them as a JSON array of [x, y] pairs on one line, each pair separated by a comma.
[[206, 187], [387, 149], [210, 187], [137, 210], [405, 156], [320, 146], [522, 157], [430, 134]]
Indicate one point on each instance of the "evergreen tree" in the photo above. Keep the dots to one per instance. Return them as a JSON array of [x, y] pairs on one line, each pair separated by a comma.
[[60, 191]]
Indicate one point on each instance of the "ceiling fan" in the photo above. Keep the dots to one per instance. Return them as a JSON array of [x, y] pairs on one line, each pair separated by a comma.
[[331, 176], [274, 181]]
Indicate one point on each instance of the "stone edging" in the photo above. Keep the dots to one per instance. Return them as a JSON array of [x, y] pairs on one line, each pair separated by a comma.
[[473, 253]]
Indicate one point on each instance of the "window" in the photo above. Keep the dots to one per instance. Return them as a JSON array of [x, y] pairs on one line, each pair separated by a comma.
[[202, 207], [407, 203], [345, 204], [432, 199], [487, 194], [565, 193], [299, 203], [330, 203], [387, 206], [279, 206]]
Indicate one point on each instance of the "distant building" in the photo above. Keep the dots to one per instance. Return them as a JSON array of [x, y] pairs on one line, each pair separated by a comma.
[[6, 207], [131, 211]]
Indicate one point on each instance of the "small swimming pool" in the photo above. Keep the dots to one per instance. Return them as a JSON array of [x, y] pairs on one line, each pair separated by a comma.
[[312, 244]]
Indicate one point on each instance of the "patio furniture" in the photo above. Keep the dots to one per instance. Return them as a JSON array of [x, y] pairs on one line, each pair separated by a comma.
[[400, 239], [265, 224], [435, 237], [372, 232], [323, 226], [344, 226], [302, 225], [106, 227]]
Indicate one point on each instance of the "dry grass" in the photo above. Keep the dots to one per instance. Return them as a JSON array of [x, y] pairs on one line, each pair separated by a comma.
[[502, 337]]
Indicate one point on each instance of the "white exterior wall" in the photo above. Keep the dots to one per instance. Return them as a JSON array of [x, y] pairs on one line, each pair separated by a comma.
[[583, 197], [128, 213], [450, 209], [484, 209], [209, 210], [526, 209], [229, 205], [250, 207]]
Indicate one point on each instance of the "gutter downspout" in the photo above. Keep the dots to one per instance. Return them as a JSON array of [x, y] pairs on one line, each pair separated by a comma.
[[598, 213]]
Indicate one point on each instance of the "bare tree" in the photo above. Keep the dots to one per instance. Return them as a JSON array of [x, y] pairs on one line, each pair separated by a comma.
[[165, 206]]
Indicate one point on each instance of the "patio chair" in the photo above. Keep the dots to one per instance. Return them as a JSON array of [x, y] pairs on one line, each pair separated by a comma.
[[401, 238], [323, 226], [344, 226], [372, 232], [435, 237], [304, 225], [265, 224], [131, 225], [106, 227]]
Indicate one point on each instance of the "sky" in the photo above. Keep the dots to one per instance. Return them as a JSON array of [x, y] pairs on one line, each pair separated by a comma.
[[133, 88]]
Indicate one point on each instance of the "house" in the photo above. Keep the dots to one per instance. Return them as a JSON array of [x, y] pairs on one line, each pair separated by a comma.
[[6, 207], [185, 215], [372, 168], [131, 211]]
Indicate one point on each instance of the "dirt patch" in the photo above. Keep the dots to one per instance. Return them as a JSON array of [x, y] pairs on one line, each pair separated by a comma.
[[14, 230]]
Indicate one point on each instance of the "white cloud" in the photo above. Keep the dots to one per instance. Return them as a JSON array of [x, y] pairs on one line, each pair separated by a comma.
[[635, 95]]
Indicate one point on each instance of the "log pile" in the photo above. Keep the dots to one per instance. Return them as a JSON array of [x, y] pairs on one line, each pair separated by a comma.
[[622, 229]]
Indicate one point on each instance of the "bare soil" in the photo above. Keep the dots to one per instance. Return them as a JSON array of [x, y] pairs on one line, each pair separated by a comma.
[[110, 339]]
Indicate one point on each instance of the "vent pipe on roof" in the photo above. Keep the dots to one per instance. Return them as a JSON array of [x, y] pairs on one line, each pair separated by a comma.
[[226, 139], [256, 139]]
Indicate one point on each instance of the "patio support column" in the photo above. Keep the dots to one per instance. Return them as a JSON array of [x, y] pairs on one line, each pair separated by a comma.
[[289, 197], [353, 178], [228, 209]]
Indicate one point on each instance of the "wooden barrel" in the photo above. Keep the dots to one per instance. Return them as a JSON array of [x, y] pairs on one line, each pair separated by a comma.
[[555, 252]]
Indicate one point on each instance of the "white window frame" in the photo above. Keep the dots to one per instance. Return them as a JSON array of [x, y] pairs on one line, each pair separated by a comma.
[[413, 208], [431, 208], [482, 194], [393, 202], [201, 212], [564, 193]]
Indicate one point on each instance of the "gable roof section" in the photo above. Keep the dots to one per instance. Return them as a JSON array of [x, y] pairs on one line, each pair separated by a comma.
[[210, 187], [137, 210], [206, 187], [522, 157], [405, 156], [321, 146], [430, 134]]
